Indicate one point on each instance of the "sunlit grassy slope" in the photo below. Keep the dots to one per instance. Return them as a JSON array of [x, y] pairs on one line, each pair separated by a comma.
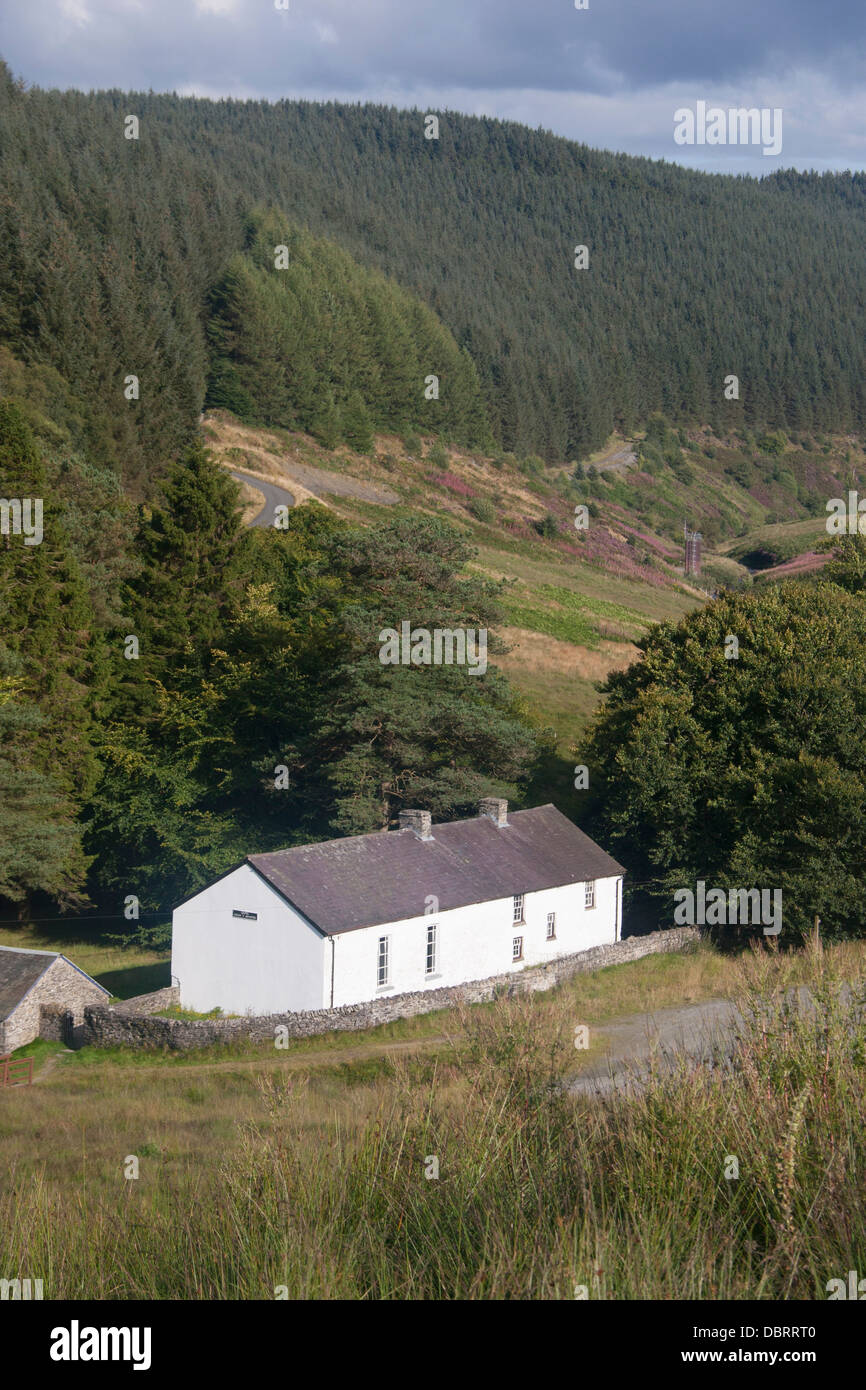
[[577, 599], [306, 1169]]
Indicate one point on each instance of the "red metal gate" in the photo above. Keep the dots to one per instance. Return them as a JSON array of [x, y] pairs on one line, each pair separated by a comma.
[[16, 1073]]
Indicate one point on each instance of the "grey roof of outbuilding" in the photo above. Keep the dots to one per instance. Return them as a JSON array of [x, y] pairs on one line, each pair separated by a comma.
[[19, 971], [366, 880]]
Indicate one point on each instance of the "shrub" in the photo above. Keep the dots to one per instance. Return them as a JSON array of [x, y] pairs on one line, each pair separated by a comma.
[[657, 428], [742, 471], [772, 444], [483, 510], [453, 483], [532, 465], [548, 527]]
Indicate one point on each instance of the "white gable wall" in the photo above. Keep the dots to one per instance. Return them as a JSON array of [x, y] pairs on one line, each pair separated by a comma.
[[475, 942], [275, 964]]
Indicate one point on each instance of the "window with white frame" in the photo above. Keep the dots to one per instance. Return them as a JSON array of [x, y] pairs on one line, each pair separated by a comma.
[[589, 894], [432, 943], [384, 970], [517, 948], [518, 907], [551, 925]]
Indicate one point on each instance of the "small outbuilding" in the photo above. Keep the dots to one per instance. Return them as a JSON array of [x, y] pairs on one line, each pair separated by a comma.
[[29, 979]]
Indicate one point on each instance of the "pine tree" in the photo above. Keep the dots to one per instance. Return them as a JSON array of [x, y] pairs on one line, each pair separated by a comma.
[[50, 656], [327, 426], [40, 848], [356, 426], [192, 565]]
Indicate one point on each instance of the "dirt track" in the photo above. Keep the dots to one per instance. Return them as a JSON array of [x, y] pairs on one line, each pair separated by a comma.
[[325, 1057], [279, 468], [628, 1047], [629, 1044]]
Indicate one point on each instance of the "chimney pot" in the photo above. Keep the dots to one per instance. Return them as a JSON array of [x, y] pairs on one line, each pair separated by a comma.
[[419, 821], [496, 807]]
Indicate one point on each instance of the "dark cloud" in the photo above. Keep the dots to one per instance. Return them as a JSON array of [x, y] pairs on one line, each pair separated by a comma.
[[618, 65]]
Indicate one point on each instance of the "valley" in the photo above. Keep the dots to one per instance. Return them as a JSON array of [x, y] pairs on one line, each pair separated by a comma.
[[356, 653], [575, 603]]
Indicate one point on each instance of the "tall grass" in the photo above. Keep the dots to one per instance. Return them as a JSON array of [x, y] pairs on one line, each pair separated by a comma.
[[539, 1194]]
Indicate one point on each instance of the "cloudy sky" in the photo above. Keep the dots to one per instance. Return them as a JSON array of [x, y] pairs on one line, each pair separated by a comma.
[[611, 75]]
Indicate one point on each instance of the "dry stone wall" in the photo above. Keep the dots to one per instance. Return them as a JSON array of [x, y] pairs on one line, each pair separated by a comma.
[[152, 1003], [124, 1026]]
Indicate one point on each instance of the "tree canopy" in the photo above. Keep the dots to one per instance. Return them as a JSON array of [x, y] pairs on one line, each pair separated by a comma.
[[302, 336], [743, 771], [50, 681], [274, 721], [113, 249]]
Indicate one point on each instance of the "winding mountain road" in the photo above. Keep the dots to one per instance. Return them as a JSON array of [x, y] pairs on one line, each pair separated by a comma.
[[274, 497]]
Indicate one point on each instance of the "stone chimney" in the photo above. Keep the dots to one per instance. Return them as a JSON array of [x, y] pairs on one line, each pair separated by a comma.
[[419, 821], [496, 808]]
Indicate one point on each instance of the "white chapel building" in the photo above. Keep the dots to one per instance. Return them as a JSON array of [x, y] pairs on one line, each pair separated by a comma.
[[422, 907]]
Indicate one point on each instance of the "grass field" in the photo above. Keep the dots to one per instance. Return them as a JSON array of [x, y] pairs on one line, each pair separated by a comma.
[[783, 539], [569, 625], [307, 1168], [123, 970]]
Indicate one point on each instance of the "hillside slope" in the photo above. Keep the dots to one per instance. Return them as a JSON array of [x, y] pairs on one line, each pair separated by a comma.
[[578, 599], [114, 245]]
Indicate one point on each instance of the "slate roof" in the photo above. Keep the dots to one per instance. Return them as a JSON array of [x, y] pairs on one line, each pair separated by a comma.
[[19, 971], [367, 880]]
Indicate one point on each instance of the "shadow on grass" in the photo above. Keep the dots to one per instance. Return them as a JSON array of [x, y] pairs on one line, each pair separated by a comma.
[[136, 979]]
